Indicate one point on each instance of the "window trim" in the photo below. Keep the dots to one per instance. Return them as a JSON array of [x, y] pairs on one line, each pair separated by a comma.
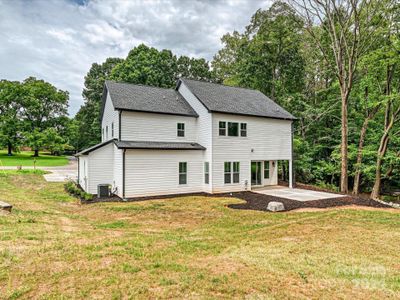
[[237, 163], [266, 163], [243, 132], [180, 130], [227, 163], [223, 128], [206, 172], [237, 123], [182, 173], [231, 173]]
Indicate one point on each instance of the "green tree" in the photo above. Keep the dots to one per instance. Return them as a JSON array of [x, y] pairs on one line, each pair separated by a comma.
[[147, 65], [11, 95], [43, 107], [87, 120]]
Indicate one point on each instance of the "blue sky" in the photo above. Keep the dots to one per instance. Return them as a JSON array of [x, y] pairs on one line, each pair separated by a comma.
[[58, 40]]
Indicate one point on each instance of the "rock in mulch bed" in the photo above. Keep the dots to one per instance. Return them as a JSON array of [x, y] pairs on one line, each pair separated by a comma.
[[255, 201]]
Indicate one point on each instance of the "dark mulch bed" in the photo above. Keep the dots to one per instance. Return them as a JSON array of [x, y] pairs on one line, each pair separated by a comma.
[[255, 201]]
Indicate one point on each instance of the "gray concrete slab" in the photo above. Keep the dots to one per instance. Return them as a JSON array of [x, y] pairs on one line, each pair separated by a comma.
[[295, 194]]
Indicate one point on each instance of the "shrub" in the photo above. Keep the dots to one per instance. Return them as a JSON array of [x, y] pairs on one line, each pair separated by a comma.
[[76, 191]]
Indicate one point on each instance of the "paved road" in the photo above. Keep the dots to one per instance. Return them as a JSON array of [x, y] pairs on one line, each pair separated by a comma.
[[58, 174]]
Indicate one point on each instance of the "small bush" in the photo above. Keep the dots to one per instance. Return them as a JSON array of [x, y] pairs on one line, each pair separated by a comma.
[[75, 191]]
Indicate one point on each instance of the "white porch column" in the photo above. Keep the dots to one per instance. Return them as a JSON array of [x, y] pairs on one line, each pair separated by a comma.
[[290, 173]]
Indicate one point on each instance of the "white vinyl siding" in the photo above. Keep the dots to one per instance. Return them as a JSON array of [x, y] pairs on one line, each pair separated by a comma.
[[101, 169], [156, 172], [110, 116], [203, 128], [117, 182], [139, 126], [267, 139], [83, 172]]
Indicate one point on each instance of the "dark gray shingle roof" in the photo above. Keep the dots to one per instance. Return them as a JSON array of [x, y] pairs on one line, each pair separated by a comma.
[[235, 100], [145, 145], [158, 145], [95, 147], [136, 97]]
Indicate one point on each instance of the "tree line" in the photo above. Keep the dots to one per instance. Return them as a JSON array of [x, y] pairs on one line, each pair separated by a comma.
[[33, 113], [333, 64]]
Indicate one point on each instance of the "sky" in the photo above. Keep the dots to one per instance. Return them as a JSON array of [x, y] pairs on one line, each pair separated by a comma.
[[58, 40]]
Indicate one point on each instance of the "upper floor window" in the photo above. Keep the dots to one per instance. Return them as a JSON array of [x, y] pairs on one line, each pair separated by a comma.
[[103, 133], [222, 128], [182, 172], [112, 129], [243, 129], [106, 132], [181, 129], [233, 129]]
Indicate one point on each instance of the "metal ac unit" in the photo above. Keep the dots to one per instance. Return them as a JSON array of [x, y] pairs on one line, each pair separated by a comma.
[[103, 190]]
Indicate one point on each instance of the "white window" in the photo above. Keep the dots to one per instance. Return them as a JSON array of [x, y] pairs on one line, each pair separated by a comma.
[[182, 173], [236, 172], [207, 172], [222, 128], [233, 129], [181, 129], [227, 172], [243, 129], [231, 172], [266, 169]]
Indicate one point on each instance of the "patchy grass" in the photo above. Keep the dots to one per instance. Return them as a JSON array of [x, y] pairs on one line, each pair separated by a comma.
[[191, 247], [25, 158]]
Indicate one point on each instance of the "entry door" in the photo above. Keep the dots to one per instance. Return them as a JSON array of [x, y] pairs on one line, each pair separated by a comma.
[[256, 169]]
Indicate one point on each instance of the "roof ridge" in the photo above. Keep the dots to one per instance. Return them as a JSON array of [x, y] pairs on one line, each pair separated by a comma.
[[221, 84], [141, 84]]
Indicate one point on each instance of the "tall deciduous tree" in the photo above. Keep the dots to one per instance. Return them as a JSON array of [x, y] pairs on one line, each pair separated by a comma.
[[43, 107], [10, 122], [346, 26]]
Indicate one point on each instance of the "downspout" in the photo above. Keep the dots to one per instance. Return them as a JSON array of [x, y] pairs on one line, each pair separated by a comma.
[[123, 174], [78, 171], [119, 125], [293, 173]]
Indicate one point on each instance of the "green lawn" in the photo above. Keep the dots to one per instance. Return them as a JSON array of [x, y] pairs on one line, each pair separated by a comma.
[[25, 158], [191, 247]]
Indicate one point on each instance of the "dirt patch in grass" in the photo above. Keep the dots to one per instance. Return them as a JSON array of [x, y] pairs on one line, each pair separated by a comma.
[[256, 201]]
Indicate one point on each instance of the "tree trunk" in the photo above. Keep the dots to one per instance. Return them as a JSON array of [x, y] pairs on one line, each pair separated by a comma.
[[9, 147], [344, 176], [376, 190], [363, 133], [36, 153], [357, 175]]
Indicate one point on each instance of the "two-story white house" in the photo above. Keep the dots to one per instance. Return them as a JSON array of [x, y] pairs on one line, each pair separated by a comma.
[[198, 137]]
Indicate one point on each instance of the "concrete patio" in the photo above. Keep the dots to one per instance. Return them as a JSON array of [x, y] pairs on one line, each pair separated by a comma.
[[295, 194]]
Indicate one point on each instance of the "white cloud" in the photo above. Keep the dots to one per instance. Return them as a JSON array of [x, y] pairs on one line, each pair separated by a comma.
[[58, 40]]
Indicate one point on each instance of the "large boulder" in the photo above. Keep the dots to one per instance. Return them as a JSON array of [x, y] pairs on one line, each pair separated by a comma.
[[275, 206]]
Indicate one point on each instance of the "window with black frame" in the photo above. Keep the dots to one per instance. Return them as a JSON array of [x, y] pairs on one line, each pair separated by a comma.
[[233, 129], [182, 173], [181, 129]]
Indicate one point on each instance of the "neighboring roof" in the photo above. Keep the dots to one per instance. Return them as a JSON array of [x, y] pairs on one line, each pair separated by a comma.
[[88, 150], [158, 145], [145, 145], [136, 97], [235, 100]]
